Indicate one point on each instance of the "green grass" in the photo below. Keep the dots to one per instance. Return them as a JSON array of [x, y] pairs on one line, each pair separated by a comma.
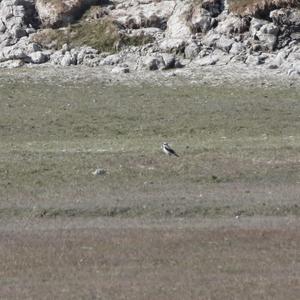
[[239, 150]]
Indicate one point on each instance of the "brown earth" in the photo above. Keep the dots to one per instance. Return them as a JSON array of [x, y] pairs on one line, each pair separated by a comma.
[[219, 222], [131, 259]]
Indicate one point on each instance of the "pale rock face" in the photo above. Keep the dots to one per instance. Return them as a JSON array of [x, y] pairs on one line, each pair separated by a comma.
[[20, 50], [120, 70], [113, 59], [296, 67], [2, 27], [207, 60], [178, 26], [66, 60], [192, 50], [224, 43], [143, 14], [256, 25], [152, 63], [268, 35], [214, 7], [203, 31], [172, 45], [54, 14], [211, 38], [38, 57], [237, 48], [150, 31], [10, 64], [12, 21], [56, 57], [265, 32], [86, 53], [169, 60], [232, 24], [254, 60], [290, 17], [278, 60], [201, 20]]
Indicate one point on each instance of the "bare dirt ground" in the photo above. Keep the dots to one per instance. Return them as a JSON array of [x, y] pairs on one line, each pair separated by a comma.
[[250, 258], [219, 222]]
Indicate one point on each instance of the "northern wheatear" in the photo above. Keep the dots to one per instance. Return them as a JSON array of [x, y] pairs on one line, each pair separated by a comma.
[[168, 150]]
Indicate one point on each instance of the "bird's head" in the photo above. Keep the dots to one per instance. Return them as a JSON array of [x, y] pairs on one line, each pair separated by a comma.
[[165, 144]]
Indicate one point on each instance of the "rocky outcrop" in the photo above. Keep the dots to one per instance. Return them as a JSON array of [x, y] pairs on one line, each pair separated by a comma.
[[61, 13], [151, 35], [143, 14], [17, 18], [261, 8]]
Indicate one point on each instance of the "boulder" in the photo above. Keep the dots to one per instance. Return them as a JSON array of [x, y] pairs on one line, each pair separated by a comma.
[[294, 70], [286, 17], [211, 38], [9, 64], [279, 59], [255, 26], [232, 25], [224, 43], [207, 60], [237, 48], [170, 61], [20, 50], [267, 35], [112, 59], [38, 57], [153, 62], [15, 16], [120, 70], [254, 60], [146, 32], [201, 20], [85, 53], [142, 14], [2, 27], [288, 20], [191, 50], [61, 13], [91, 61], [178, 25], [172, 45], [56, 57], [214, 7], [69, 58], [296, 67]]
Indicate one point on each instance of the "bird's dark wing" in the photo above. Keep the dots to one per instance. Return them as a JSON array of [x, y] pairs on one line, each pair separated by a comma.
[[172, 151]]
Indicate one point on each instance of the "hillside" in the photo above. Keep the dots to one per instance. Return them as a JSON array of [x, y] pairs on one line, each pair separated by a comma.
[[129, 35]]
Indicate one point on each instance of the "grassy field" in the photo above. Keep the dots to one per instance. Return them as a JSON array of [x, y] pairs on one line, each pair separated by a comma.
[[239, 155]]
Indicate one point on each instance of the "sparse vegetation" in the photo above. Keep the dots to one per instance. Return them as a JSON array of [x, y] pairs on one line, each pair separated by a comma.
[[225, 211], [101, 34], [259, 8], [53, 137]]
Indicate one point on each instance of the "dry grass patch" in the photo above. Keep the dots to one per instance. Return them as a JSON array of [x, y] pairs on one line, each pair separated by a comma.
[[259, 8], [101, 35]]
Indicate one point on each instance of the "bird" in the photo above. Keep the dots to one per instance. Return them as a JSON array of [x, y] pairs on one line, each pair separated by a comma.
[[168, 150], [99, 171]]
